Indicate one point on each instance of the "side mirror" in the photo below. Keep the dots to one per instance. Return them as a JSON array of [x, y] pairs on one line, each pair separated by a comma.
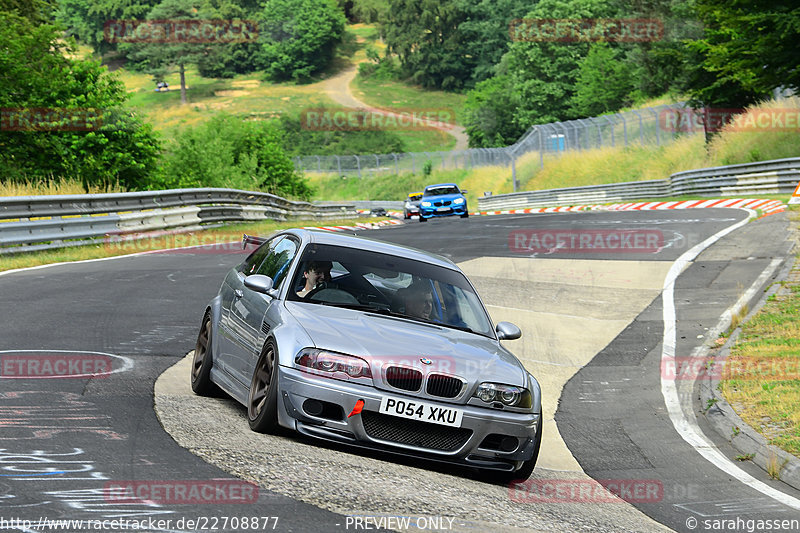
[[464, 191], [506, 331], [260, 283]]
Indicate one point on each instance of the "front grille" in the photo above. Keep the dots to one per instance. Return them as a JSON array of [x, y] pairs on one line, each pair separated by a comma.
[[444, 386], [442, 203], [404, 378], [414, 433]]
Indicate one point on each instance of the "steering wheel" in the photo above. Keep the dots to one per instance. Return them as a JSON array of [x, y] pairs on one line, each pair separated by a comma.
[[326, 293]]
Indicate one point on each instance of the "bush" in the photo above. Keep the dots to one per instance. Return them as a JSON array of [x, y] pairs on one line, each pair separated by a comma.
[[299, 141], [234, 153]]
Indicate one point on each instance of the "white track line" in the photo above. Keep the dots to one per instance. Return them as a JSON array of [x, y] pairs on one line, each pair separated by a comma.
[[689, 430]]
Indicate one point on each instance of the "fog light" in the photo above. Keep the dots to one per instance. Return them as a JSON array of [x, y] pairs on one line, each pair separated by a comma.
[[312, 407], [509, 444]]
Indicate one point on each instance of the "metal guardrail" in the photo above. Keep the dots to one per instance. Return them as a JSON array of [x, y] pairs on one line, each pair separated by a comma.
[[779, 176], [30, 223]]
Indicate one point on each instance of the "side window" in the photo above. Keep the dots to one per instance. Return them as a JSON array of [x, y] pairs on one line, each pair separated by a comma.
[[276, 264], [254, 260]]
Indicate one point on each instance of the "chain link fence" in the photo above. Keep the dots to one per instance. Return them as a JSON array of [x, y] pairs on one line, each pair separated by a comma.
[[648, 126]]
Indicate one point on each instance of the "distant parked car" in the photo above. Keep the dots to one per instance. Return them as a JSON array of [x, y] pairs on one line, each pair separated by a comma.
[[411, 205], [391, 350], [378, 212], [442, 200]]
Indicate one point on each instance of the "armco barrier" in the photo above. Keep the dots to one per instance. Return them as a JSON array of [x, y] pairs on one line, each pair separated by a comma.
[[779, 176], [29, 223]]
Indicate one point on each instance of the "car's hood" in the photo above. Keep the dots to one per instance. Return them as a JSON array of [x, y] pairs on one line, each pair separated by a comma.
[[386, 341]]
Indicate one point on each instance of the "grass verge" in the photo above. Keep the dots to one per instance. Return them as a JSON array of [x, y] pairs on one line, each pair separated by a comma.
[[762, 380], [209, 237]]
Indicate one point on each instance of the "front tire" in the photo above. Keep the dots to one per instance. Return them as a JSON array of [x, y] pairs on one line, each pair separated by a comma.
[[262, 400], [203, 360], [422, 219]]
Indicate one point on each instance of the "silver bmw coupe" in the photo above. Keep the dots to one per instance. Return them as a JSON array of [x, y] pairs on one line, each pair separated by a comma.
[[373, 345]]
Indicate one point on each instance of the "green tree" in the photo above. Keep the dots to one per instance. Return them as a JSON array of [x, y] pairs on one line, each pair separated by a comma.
[[450, 44], [604, 82], [228, 151], [544, 74], [36, 11], [424, 35], [752, 44], [158, 58], [65, 117], [87, 20], [489, 114], [369, 11], [298, 37]]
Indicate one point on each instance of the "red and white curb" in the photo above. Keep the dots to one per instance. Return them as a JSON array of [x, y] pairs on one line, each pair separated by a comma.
[[769, 207], [367, 225]]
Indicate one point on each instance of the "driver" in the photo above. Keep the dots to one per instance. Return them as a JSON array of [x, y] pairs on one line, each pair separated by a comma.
[[419, 300], [315, 273]]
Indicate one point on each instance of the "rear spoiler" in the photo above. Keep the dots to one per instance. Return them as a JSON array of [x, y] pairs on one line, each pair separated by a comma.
[[252, 239]]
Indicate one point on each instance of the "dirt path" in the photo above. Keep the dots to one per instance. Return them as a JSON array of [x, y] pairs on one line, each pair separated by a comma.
[[338, 89]]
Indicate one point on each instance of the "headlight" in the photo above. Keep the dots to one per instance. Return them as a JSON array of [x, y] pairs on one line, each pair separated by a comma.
[[425, 204], [334, 363], [505, 394], [458, 201]]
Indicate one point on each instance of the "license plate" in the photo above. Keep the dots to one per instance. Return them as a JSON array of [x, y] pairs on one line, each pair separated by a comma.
[[422, 411], [443, 209]]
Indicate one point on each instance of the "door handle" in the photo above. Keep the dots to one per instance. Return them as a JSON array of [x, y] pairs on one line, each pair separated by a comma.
[[238, 293]]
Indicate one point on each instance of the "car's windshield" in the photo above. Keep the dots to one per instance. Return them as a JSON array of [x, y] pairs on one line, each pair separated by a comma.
[[437, 191], [393, 286]]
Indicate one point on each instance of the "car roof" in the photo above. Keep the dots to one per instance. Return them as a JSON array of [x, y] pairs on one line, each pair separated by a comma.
[[373, 245], [414, 193], [441, 185]]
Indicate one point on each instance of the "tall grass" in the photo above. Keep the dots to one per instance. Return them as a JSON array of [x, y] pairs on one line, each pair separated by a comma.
[[55, 186]]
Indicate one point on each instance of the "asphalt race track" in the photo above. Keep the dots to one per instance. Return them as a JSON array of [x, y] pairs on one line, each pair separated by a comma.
[[593, 323]]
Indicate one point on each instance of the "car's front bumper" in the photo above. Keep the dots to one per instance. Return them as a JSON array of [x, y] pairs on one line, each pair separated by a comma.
[[448, 211], [471, 444]]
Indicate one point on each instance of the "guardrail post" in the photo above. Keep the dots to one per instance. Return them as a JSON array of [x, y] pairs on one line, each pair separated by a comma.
[[339, 164], [377, 164], [358, 165], [319, 164], [396, 170], [413, 163]]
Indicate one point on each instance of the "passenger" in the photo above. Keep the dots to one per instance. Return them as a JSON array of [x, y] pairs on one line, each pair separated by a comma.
[[316, 272], [419, 300]]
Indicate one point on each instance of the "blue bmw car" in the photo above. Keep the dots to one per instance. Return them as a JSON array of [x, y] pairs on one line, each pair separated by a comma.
[[442, 200]]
